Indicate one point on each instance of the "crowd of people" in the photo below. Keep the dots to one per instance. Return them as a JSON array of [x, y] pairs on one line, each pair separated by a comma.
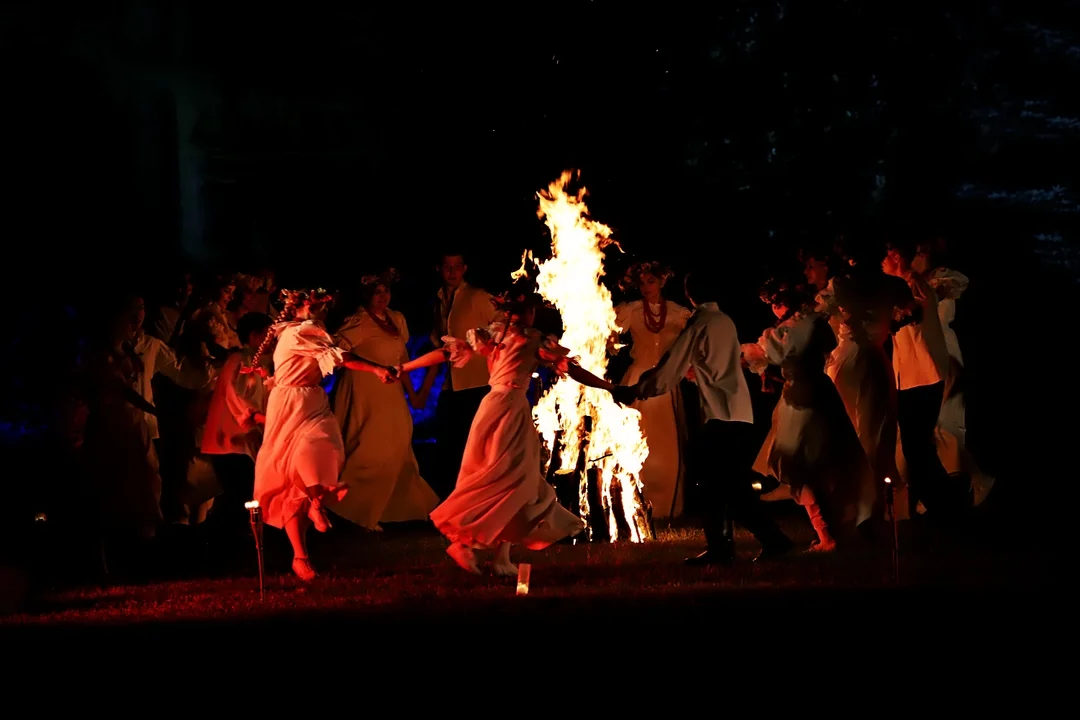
[[215, 395]]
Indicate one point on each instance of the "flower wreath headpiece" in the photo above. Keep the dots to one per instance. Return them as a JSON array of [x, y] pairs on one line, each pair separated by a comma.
[[779, 289], [296, 298], [508, 299], [632, 277], [387, 277]]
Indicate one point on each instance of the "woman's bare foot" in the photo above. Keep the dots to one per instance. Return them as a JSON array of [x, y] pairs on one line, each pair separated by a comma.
[[318, 516], [302, 568], [464, 557], [504, 567]]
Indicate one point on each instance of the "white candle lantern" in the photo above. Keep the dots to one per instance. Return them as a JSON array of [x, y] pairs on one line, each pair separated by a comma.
[[255, 515]]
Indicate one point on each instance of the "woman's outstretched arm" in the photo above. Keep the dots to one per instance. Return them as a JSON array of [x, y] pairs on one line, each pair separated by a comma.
[[430, 359], [585, 377], [355, 362]]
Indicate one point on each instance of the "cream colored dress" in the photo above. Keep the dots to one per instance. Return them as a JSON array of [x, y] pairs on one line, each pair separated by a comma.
[[376, 426], [860, 368], [301, 444], [662, 420], [501, 494]]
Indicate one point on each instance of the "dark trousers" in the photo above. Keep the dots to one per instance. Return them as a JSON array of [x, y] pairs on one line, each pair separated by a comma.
[[453, 420], [726, 457], [928, 481]]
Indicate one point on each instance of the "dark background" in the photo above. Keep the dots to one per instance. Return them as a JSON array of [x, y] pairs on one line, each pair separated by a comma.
[[329, 141]]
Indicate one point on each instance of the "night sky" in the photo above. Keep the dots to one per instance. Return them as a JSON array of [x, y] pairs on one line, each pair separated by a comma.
[[223, 132], [330, 140]]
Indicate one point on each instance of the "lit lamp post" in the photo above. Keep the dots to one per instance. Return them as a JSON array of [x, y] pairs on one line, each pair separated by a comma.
[[890, 509], [255, 514]]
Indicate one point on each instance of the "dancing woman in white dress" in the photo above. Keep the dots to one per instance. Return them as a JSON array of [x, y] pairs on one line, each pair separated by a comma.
[[812, 446], [862, 303], [501, 496], [951, 432], [654, 323], [302, 452]]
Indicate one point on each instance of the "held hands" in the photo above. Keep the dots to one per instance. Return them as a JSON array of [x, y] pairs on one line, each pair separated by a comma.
[[624, 394], [388, 375]]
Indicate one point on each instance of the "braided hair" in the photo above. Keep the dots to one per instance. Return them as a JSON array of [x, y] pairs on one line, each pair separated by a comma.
[[294, 300]]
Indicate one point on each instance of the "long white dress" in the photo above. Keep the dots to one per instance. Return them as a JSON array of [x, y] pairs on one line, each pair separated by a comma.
[[662, 421], [951, 430], [301, 444], [501, 494], [812, 442], [860, 314], [376, 426]]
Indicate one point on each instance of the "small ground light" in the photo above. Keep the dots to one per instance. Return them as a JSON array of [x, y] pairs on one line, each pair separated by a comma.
[[524, 572], [257, 531]]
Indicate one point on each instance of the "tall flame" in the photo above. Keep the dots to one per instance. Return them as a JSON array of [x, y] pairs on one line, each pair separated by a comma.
[[570, 280]]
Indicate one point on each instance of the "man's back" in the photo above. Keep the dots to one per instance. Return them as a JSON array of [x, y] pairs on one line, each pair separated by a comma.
[[717, 364]]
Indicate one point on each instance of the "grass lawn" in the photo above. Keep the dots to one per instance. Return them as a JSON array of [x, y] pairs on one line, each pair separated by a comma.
[[402, 576]]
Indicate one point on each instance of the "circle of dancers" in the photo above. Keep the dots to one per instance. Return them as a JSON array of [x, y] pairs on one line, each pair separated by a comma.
[[218, 401]]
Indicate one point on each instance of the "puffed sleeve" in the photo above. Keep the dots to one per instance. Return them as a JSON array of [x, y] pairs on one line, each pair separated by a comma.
[[347, 335], [240, 390], [554, 355], [779, 343], [458, 351], [948, 283], [482, 339], [678, 314], [755, 356], [313, 341]]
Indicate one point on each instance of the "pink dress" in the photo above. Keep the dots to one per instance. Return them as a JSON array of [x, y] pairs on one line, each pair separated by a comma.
[[501, 493], [301, 444]]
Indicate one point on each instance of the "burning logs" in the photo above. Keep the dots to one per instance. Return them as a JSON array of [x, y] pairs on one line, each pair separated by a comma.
[[584, 482]]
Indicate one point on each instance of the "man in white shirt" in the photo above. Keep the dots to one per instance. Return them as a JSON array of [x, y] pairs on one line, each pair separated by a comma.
[[708, 353], [459, 307], [920, 360], [167, 323]]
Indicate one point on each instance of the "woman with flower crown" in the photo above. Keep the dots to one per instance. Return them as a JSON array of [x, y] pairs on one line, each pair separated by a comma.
[[654, 323], [302, 454], [501, 497], [951, 431], [380, 468], [812, 447]]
